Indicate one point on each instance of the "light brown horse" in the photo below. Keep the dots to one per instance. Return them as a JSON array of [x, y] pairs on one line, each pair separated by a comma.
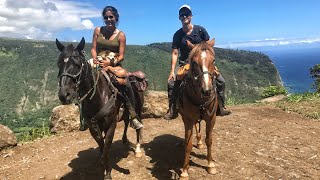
[[198, 101]]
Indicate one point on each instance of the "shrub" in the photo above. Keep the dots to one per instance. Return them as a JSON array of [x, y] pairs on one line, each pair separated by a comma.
[[273, 90], [315, 74]]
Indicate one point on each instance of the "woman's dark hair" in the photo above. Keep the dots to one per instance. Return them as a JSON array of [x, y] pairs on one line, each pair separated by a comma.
[[113, 10]]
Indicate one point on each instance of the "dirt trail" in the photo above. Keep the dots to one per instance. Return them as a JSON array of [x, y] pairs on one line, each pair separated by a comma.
[[254, 142]]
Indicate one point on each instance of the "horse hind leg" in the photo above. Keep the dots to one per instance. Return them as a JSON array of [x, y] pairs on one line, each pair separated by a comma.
[[198, 135], [139, 108], [125, 118], [138, 153]]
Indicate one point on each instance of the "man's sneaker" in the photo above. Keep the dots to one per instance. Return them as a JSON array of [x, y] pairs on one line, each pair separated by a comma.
[[136, 124], [170, 116]]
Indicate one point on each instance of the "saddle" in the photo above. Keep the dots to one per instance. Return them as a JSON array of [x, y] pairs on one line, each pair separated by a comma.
[[120, 77], [138, 80], [183, 70]]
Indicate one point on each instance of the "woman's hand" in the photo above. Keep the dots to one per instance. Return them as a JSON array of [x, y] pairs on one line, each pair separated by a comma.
[[95, 60], [104, 63]]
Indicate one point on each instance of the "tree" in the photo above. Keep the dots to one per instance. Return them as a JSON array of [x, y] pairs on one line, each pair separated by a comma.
[[315, 74]]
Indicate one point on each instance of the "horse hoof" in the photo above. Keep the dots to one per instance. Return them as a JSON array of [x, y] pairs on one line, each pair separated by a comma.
[[200, 146], [184, 176], [212, 170], [107, 177], [138, 154]]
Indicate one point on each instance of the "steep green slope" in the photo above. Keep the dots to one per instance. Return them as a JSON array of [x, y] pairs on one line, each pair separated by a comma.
[[245, 72], [29, 76]]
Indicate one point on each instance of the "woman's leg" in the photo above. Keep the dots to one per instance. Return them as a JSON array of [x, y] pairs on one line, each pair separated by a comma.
[[131, 104]]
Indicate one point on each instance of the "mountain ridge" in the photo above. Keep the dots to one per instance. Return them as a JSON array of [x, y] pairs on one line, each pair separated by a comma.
[[29, 76]]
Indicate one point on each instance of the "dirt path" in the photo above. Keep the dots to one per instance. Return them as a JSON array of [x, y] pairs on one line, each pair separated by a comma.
[[255, 142]]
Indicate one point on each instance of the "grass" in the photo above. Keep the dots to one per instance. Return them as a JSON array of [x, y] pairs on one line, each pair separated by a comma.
[[33, 134], [307, 104]]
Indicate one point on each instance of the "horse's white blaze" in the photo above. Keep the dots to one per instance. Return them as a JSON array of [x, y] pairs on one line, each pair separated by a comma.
[[65, 60], [204, 68]]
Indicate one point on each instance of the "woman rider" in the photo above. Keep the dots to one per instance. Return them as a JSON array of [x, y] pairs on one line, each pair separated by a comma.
[[110, 38]]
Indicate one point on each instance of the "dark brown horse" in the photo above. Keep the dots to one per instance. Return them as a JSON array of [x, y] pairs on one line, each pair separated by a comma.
[[99, 98], [198, 101]]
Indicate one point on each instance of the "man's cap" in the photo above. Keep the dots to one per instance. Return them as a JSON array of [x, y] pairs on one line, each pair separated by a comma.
[[185, 7]]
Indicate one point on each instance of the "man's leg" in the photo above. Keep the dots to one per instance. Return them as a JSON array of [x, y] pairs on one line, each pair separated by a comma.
[[221, 95], [173, 87]]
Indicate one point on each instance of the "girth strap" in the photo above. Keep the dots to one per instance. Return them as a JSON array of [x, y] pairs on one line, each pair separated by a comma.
[[106, 109]]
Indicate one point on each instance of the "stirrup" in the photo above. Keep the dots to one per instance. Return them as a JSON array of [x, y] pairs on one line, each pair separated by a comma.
[[136, 124]]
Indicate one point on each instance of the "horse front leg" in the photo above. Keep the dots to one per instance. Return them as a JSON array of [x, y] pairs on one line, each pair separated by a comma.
[[198, 135], [209, 127], [188, 125], [96, 133], [107, 144]]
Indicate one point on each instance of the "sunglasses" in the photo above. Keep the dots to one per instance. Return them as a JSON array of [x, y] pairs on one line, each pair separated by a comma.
[[186, 14], [108, 17]]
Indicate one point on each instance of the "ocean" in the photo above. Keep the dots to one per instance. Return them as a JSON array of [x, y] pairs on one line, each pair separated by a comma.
[[293, 63], [294, 66]]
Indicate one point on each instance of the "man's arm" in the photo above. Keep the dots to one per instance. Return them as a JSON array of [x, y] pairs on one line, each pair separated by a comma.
[[174, 59]]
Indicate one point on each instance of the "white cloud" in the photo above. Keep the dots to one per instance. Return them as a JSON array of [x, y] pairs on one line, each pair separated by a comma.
[[41, 19], [269, 42]]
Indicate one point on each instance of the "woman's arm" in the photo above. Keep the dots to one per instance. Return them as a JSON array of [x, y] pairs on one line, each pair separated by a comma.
[[94, 44], [122, 47]]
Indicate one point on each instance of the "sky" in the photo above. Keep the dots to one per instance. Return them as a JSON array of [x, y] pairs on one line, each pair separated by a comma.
[[234, 23]]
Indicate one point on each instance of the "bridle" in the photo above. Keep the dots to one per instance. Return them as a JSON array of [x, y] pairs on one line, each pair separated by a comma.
[[206, 99], [77, 77]]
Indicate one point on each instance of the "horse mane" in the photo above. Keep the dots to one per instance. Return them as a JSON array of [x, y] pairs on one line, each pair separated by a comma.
[[198, 48]]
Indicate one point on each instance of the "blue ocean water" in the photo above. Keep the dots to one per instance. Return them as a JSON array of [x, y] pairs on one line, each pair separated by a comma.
[[294, 66]]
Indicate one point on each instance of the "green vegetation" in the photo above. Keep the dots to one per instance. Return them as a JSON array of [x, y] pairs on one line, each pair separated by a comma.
[[29, 77], [33, 133], [273, 90], [315, 74], [307, 104]]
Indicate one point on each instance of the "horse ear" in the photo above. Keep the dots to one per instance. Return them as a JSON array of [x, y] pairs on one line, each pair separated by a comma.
[[81, 44], [59, 45]]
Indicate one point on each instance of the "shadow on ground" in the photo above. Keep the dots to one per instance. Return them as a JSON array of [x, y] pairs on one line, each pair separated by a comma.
[[86, 165]]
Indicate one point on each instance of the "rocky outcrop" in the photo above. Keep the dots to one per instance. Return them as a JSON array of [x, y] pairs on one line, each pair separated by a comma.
[[7, 137], [64, 118], [273, 99], [156, 104]]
